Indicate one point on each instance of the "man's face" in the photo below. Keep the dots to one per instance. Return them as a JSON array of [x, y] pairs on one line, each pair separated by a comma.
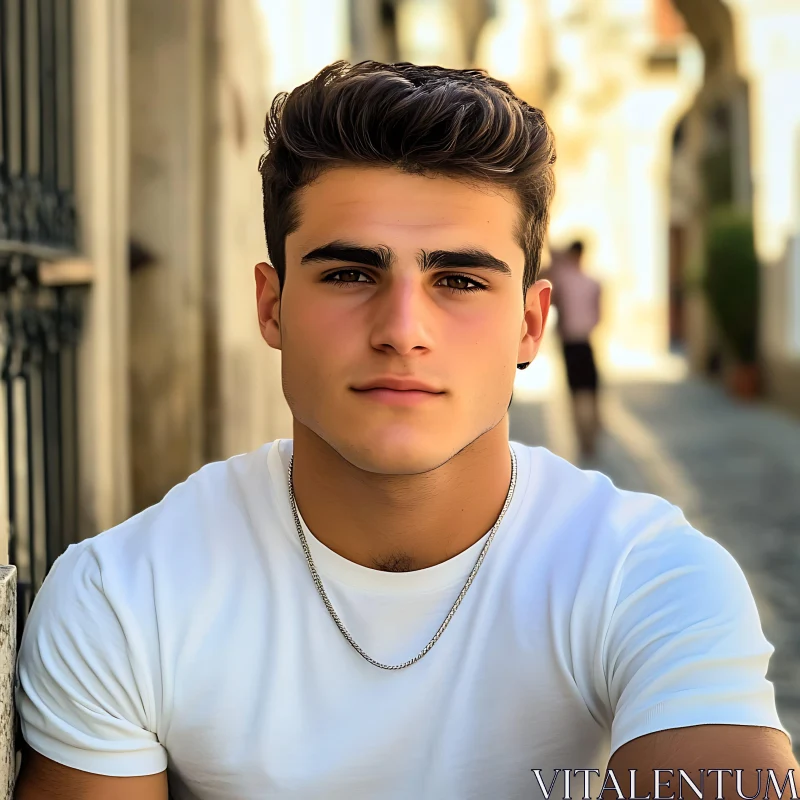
[[394, 278]]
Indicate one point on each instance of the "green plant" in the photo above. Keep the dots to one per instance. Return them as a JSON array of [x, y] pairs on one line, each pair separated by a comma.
[[731, 280]]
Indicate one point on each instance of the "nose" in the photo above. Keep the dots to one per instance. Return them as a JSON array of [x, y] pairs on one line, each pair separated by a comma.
[[401, 321]]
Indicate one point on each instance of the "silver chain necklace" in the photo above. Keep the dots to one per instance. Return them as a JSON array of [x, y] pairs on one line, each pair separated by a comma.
[[332, 611]]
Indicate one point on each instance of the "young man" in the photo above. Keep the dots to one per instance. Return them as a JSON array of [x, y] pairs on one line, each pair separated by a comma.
[[397, 602], [576, 295]]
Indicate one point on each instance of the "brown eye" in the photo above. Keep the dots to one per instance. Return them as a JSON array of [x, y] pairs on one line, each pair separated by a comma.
[[463, 284], [345, 276]]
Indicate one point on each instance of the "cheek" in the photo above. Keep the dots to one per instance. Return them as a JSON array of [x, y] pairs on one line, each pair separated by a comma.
[[488, 338], [319, 331], [485, 348]]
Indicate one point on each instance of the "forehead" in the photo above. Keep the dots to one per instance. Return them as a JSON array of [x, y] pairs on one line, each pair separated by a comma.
[[386, 205]]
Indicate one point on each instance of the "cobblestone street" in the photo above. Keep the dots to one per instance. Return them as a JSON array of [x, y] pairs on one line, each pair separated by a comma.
[[734, 469]]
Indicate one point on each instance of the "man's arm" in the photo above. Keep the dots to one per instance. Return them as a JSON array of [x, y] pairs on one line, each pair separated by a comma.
[[43, 779], [721, 748], [88, 690]]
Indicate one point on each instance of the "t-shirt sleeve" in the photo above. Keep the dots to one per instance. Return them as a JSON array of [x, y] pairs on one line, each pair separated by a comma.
[[84, 693], [684, 645]]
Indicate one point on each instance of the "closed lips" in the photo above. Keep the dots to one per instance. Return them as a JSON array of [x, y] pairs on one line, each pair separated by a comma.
[[398, 385]]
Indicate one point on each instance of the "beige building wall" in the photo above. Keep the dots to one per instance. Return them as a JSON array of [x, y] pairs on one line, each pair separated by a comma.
[[166, 41], [767, 35], [249, 407], [101, 175]]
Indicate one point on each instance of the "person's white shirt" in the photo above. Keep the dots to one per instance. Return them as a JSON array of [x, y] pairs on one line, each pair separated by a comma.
[[192, 637]]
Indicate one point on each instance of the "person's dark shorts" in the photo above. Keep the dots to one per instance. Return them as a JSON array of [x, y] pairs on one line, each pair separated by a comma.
[[581, 369]]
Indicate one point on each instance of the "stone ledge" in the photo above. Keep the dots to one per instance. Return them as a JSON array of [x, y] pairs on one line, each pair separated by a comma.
[[8, 653]]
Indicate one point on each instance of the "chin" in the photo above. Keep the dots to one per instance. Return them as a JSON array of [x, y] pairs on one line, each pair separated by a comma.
[[395, 452]]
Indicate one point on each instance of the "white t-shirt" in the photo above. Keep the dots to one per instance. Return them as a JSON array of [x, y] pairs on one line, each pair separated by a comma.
[[191, 637]]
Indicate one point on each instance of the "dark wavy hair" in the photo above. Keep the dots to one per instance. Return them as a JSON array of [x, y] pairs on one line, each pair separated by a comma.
[[425, 120]]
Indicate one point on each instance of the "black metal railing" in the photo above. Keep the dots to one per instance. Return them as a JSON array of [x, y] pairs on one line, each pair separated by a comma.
[[39, 319], [40, 325]]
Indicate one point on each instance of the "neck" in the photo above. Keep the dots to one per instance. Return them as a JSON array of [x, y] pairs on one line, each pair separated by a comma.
[[401, 522]]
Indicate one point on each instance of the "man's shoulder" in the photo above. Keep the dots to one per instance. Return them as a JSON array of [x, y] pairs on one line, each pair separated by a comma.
[[588, 492], [152, 571], [192, 515], [597, 522], [606, 553]]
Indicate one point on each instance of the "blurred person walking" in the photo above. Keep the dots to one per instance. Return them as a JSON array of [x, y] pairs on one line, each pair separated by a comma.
[[576, 295]]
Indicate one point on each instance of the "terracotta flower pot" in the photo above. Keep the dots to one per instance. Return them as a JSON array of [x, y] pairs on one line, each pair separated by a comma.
[[744, 381]]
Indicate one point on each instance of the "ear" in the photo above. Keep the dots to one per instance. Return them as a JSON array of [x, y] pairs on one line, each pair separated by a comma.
[[268, 302], [537, 306]]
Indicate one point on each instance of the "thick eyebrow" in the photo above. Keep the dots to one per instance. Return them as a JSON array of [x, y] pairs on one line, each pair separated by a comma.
[[469, 257], [379, 257], [382, 257]]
